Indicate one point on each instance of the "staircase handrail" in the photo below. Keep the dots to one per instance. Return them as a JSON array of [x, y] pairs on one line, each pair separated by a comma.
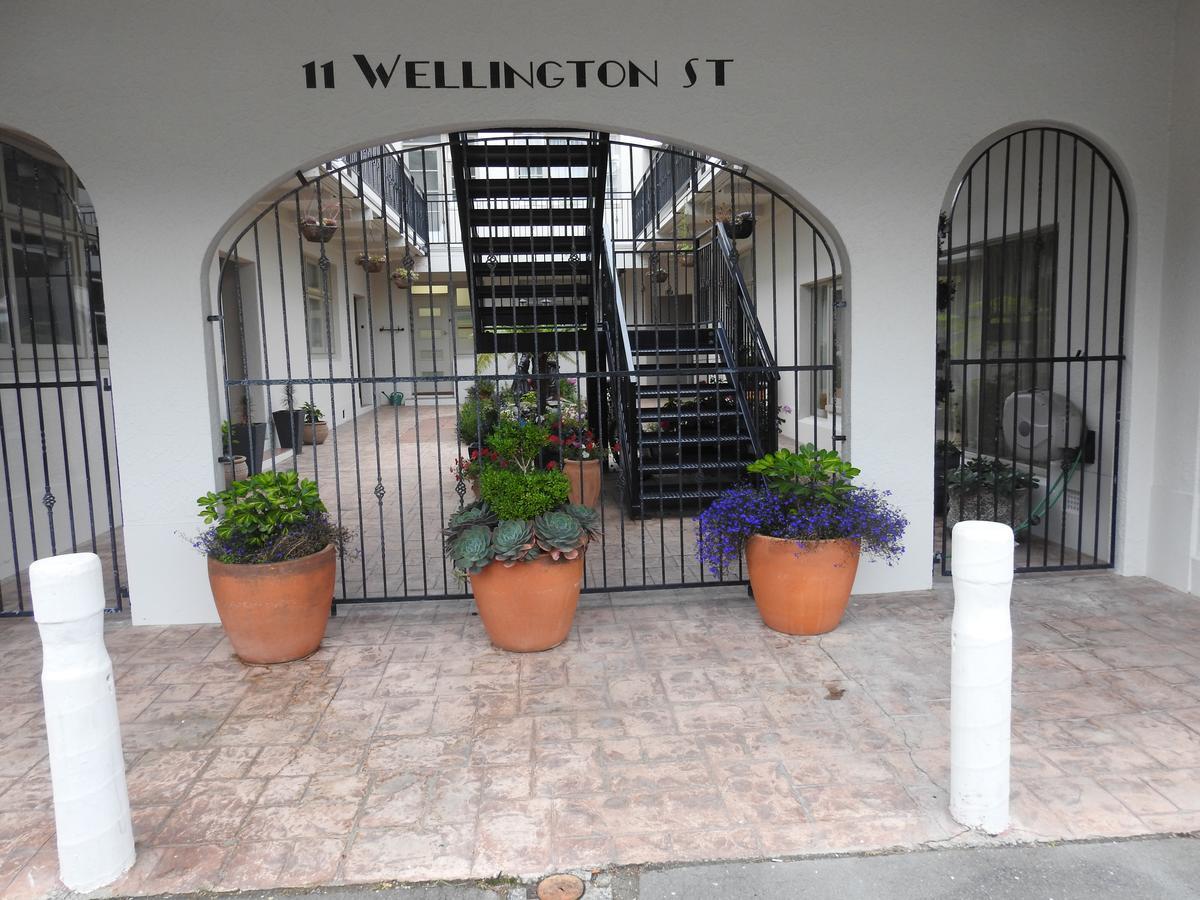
[[729, 255], [614, 305]]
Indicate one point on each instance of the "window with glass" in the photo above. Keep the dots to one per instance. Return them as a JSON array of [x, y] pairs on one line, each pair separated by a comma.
[[49, 258], [426, 169], [319, 311]]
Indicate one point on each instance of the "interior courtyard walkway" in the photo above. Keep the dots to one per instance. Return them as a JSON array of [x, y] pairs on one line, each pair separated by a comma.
[[669, 727]]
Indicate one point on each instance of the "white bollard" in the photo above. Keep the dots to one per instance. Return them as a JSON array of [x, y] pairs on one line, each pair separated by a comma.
[[981, 675], [87, 766]]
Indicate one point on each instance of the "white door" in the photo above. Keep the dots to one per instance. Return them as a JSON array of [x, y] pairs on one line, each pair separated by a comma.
[[432, 338]]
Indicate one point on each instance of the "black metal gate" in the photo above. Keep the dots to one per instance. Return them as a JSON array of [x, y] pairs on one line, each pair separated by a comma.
[[57, 445], [690, 315], [1031, 310]]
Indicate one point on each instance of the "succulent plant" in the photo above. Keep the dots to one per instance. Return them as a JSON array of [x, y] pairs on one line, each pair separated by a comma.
[[471, 550], [559, 534], [513, 541], [588, 519], [477, 513]]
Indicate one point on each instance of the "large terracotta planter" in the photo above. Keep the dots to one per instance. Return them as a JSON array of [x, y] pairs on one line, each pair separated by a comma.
[[584, 475], [529, 606], [801, 589], [315, 432], [274, 612]]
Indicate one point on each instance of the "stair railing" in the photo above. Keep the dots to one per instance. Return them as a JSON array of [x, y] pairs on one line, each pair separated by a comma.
[[620, 364], [749, 361]]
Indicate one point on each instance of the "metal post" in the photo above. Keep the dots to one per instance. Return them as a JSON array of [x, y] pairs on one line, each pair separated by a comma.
[[87, 766], [981, 675]]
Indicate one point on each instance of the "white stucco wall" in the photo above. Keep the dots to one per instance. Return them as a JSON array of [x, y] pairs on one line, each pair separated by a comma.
[[176, 115], [1174, 554]]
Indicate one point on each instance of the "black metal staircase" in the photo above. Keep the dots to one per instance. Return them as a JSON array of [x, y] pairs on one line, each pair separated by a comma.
[[528, 206], [689, 405]]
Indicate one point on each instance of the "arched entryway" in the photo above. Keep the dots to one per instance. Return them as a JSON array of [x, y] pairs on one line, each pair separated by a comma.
[[57, 444], [1031, 302], [691, 313]]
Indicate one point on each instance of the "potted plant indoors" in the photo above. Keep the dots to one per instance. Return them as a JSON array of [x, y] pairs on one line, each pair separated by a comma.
[[272, 554], [315, 427], [803, 529], [288, 421], [989, 490], [522, 545]]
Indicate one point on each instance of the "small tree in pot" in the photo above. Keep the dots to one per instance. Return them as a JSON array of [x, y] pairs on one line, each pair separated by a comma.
[[272, 554], [803, 530]]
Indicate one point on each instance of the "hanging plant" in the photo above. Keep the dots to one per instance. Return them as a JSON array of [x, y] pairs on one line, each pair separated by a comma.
[[738, 226], [403, 276], [370, 263], [320, 223]]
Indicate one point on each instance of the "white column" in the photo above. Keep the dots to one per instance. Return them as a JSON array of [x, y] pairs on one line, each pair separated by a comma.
[[981, 675], [87, 766]]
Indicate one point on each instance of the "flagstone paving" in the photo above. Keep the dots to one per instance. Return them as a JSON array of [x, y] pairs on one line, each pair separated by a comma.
[[669, 727]]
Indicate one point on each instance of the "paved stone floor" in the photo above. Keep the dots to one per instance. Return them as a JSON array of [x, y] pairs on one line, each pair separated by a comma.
[[669, 727]]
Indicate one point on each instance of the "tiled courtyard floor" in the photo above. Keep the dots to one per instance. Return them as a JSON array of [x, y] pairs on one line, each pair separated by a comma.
[[668, 727]]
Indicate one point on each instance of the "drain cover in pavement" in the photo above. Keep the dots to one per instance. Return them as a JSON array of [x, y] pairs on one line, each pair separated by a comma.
[[560, 887]]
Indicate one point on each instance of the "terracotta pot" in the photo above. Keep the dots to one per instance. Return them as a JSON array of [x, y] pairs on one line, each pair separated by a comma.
[[234, 469], [315, 432], [584, 475], [529, 606], [274, 612], [801, 589]]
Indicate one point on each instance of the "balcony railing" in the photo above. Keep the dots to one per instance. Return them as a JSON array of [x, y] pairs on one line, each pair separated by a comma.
[[668, 174], [384, 173]]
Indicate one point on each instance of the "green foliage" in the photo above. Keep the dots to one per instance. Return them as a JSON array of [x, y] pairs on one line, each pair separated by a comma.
[[514, 494], [471, 551], [588, 518], [809, 475], [518, 443], [987, 475], [476, 418], [478, 513], [226, 439], [513, 541], [255, 511], [312, 413], [559, 534]]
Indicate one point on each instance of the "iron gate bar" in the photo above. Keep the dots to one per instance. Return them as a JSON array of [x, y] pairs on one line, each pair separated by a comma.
[[1092, 300]]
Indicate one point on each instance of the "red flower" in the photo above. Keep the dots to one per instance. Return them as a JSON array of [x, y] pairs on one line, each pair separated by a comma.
[[616, 446], [554, 439], [474, 454], [552, 464]]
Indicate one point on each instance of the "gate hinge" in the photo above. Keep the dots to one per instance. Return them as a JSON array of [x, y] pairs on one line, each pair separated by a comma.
[[214, 318]]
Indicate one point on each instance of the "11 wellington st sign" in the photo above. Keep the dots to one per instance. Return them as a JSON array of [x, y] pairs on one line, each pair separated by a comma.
[[436, 74]]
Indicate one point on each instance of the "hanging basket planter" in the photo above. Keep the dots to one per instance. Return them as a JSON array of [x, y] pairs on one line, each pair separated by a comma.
[[370, 264], [320, 222], [403, 277], [318, 232]]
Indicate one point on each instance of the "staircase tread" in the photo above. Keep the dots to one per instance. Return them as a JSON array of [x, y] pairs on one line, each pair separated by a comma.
[[503, 188]]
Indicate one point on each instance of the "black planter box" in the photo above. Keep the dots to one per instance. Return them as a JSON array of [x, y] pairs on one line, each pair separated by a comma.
[[288, 426], [248, 441]]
